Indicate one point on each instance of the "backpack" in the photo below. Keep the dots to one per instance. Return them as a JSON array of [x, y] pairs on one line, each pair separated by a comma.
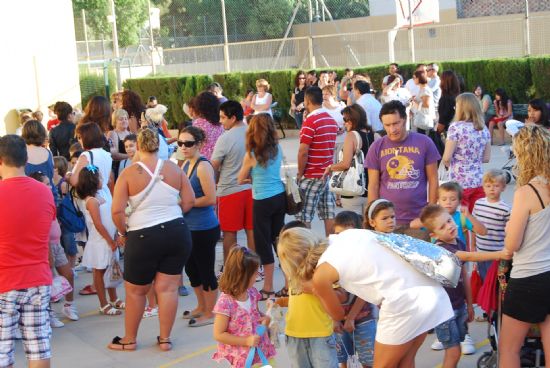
[[69, 215]]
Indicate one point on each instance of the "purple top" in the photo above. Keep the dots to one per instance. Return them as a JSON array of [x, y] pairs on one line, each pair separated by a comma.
[[466, 163], [457, 294], [402, 167]]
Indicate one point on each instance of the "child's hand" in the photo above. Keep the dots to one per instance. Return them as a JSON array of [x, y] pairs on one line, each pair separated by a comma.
[[471, 313], [112, 245], [506, 254], [337, 326], [252, 340], [349, 325], [265, 320], [464, 211]]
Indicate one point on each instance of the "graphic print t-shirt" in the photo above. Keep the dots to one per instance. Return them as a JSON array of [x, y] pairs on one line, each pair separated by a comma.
[[402, 172]]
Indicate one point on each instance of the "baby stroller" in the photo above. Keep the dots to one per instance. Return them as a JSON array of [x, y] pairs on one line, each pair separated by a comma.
[[532, 354], [508, 167]]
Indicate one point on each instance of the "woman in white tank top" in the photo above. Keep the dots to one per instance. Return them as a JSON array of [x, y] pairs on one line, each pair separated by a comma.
[[261, 102], [157, 239]]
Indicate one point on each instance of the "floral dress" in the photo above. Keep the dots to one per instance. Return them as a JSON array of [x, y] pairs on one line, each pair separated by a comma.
[[467, 160], [212, 133], [241, 323]]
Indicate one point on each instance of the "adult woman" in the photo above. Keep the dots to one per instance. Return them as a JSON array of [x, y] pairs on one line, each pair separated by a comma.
[[153, 120], [116, 138], [204, 226], [483, 98], [297, 98], [98, 110], [527, 300], [537, 113], [355, 120], [394, 91], [207, 109], [39, 157], [450, 88], [261, 102], [333, 107], [503, 111], [468, 146], [132, 103], [423, 108], [410, 303], [262, 164], [158, 242]]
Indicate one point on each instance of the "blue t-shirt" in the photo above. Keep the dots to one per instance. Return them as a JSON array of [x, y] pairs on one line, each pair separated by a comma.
[[199, 218], [266, 180], [461, 220]]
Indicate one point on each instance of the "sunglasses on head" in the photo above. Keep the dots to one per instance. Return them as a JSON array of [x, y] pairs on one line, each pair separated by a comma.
[[187, 144]]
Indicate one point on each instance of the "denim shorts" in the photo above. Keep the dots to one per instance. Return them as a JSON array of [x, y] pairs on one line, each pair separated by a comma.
[[68, 242], [452, 332], [312, 352], [361, 341]]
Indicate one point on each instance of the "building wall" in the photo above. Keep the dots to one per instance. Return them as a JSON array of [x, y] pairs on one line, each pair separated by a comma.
[[482, 8], [39, 65]]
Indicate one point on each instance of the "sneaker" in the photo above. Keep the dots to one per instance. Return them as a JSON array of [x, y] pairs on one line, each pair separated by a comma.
[[79, 267], [69, 310], [468, 347], [182, 291], [54, 321], [437, 345], [150, 312]]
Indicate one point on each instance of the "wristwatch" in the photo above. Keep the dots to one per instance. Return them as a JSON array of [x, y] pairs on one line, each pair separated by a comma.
[[121, 235]]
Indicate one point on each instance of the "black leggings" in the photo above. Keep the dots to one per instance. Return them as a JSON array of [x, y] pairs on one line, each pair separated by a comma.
[[200, 267], [269, 218]]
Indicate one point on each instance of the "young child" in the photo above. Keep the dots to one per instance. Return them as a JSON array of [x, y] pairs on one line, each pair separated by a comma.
[[59, 262], [101, 243], [237, 312], [380, 216], [357, 331], [451, 333], [492, 212], [61, 166], [309, 329], [130, 145]]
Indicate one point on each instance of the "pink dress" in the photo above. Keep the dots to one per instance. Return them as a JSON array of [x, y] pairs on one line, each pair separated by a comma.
[[212, 133], [241, 323]]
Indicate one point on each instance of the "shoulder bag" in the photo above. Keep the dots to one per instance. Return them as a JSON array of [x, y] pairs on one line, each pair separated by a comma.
[[350, 182], [294, 195]]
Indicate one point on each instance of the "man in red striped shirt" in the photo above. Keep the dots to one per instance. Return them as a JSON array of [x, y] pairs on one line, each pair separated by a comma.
[[316, 152]]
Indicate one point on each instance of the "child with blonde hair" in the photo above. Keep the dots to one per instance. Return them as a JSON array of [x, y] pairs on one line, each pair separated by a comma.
[[237, 314]]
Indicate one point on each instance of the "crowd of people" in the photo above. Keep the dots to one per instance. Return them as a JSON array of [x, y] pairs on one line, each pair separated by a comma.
[[162, 203]]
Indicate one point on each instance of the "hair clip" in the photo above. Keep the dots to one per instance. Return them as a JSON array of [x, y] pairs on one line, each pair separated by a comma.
[[92, 168]]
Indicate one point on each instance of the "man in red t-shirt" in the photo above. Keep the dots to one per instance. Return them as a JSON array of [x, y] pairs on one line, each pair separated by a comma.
[[26, 215], [316, 152]]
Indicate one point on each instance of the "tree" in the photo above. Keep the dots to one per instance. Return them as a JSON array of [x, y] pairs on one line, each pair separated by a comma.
[[131, 18]]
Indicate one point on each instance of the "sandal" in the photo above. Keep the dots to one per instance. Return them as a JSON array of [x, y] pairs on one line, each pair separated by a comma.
[[118, 304], [87, 290], [164, 344], [266, 294], [109, 310], [196, 323], [283, 293], [188, 315], [117, 344]]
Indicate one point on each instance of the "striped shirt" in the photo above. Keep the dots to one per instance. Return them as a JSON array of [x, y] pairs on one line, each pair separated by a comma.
[[494, 216], [319, 132]]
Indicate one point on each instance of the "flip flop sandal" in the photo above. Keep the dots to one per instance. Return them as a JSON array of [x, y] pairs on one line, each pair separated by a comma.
[[118, 345], [196, 323], [187, 315], [164, 344], [109, 310], [87, 290], [118, 304], [266, 294]]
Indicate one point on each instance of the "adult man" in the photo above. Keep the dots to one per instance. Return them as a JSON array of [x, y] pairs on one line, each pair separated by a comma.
[[364, 98], [217, 90], [410, 85], [234, 200], [312, 78], [316, 152], [26, 214], [434, 82], [402, 168], [62, 136], [394, 70]]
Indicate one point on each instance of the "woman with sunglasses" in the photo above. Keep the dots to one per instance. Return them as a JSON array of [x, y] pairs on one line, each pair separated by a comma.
[[355, 120], [297, 98], [204, 226]]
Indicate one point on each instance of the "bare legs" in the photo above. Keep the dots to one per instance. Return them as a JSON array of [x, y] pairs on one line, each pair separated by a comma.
[[100, 287], [230, 239], [397, 356]]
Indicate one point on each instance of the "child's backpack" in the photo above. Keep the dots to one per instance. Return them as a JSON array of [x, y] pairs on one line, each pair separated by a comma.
[[69, 215]]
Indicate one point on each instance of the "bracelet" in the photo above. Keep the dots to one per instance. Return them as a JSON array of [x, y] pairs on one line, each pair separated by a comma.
[[121, 235]]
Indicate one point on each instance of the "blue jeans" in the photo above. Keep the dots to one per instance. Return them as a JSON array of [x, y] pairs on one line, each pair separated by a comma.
[[312, 352], [452, 332], [361, 341], [299, 117]]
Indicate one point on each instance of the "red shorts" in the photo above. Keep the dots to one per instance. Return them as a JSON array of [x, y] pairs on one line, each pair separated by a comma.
[[235, 211], [470, 196]]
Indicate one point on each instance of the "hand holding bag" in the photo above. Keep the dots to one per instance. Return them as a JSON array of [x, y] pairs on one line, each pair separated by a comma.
[[443, 173], [350, 182], [294, 195], [114, 274], [260, 330]]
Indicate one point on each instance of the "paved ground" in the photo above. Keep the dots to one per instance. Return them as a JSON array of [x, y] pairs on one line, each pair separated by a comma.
[[83, 343]]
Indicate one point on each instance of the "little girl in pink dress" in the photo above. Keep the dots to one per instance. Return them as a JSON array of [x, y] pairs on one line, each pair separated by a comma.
[[237, 313]]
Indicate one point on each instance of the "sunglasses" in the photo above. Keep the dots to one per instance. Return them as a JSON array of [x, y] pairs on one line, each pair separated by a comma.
[[302, 78], [187, 144]]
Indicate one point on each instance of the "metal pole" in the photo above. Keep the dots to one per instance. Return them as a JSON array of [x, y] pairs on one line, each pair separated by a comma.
[[115, 48], [527, 30], [411, 33], [312, 63], [153, 67], [280, 50], [225, 43], [86, 40]]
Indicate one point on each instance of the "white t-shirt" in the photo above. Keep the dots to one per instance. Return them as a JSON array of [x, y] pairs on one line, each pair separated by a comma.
[[410, 302], [412, 87]]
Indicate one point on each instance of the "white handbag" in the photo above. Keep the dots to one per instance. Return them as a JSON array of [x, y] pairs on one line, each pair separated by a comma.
[[423, 119], [443, 173], [350, 182]]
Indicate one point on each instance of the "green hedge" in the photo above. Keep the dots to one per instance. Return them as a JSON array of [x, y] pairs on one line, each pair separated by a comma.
[[523, 78]]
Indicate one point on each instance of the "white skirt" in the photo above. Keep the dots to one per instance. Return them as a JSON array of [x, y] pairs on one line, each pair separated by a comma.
[[97, 254]]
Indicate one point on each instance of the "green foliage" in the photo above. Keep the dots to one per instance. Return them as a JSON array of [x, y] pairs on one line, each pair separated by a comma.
[[540, 69], [93, 84], [268, 19]]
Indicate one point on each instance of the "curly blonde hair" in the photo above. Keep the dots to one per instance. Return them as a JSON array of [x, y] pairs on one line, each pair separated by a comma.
[[299, 251], [148, 140], [531, 146]]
